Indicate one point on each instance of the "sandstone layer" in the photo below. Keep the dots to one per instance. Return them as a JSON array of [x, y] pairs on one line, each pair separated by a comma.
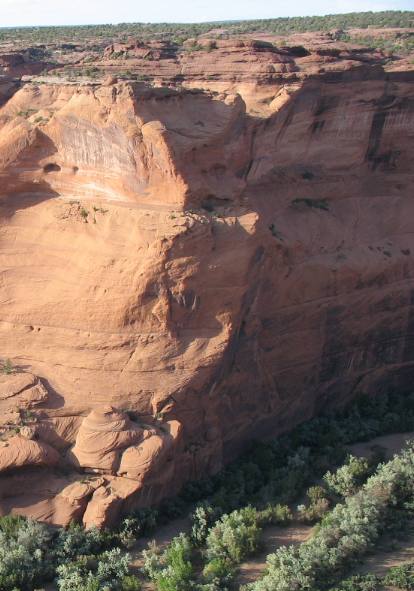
[[184, 270]]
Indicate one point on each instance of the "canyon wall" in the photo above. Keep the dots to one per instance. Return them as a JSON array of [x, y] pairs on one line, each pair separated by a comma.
[[184, 270]]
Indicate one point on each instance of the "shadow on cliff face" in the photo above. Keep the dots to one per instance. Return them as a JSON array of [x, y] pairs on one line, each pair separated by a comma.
[[25, 181], [207, 139], [54, 400], [339, 132], [208, 309], [329, 178], [301, 163], [173, 148], [8, 86]]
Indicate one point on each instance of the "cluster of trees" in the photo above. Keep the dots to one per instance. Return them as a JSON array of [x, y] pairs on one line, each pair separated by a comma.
[[218, 545], [362, 510], [32, 554], [108, 570], [279, 470], [227, 528], [363, 20], [180, 32], [221, 543], [345, 534], [229, 511], [395, 45]]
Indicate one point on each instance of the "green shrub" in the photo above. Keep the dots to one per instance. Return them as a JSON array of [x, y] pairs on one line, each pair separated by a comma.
[[367, 582], [112, 567], [401, 577], [318, 505], [219, 572], [349, 477], [27, 113], [78, 575], [277, 471], [106, 571], [24, 554], [267, 476], [276, 515], [7, 367], [202, 519], [140, 522], [170, 570], [76, 541], [130, 583], [10, 525], [84, 213], [234, 536], [314, 512]]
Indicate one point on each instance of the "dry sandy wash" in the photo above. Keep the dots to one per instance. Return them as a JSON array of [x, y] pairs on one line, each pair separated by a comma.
[[184, 269]]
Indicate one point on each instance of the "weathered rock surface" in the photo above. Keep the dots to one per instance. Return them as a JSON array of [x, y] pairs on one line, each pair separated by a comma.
[[21, 451], [186, 270], [101, 437]]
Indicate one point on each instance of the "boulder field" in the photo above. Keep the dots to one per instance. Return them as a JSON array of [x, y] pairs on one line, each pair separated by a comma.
[[183, 270]]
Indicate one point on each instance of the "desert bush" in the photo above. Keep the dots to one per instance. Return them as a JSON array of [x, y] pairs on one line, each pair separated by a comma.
[[178, 32], [10, 524], [154, 560], [112, 567], [202, 519], [105, 571], [367, 582], [234, 536], [128, 531], [277, 471], [77, 541], [349, 477], [314, 512], [275, 515], [138, 523], [316, 493], [24, 554], [7, 367], [218, 573], [312, 203], [401, 577], [84, 213], [267, 476], [171, 509], [318, 505], [130, 583], [78, 575], [170, 570]]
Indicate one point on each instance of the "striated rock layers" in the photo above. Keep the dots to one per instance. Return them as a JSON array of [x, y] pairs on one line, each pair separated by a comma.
[[180, 274]]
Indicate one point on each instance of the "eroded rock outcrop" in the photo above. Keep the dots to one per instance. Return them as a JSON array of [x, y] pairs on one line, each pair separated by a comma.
[[103, 434], [127, 457], [187, 270], [20, 451]]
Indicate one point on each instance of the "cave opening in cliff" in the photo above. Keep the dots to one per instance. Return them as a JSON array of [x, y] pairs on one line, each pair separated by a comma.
[[51, 167]]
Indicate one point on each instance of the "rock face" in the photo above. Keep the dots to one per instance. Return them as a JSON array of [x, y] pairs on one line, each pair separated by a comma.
[[185, 270]]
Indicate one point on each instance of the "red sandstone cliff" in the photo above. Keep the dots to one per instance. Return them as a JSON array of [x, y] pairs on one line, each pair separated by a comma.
[[183, 270]]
